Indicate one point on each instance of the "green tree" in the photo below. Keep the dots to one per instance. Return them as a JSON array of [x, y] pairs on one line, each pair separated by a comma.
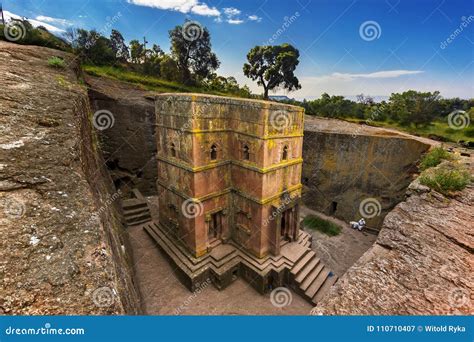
[[137, 51], [169, 69], [193, 52], [273, 67], [413, 107]]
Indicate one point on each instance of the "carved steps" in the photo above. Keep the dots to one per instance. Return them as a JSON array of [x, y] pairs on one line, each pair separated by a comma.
[[135, 210], [311, 278]]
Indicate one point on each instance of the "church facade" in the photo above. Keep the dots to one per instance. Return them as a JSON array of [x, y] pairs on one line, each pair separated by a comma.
[[229, 170]]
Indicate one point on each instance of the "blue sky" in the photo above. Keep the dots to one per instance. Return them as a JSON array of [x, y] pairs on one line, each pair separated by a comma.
[[347, 47]]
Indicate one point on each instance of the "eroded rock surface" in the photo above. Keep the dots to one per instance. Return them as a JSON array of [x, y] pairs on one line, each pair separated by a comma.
[[129, 146], [61, 243], [421, 262]]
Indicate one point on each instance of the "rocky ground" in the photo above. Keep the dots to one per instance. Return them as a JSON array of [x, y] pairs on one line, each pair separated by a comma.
[[421, 262], [54, 257]]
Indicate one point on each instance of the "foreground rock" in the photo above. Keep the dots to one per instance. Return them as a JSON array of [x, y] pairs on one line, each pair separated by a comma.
[[62, 249], [421, 262]]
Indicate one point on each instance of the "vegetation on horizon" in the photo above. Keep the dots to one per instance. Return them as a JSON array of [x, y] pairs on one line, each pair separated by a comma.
[[316, 223]]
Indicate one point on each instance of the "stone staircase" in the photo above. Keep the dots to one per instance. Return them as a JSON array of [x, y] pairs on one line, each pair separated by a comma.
[[311, 278], [136, 209]]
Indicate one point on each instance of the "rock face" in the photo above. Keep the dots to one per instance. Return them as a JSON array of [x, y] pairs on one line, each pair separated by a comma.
[[63, 248], [350, 171], [129, 146], [421, 262]]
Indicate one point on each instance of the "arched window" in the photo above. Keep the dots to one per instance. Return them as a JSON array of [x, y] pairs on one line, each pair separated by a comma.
[[246, 152], [173, 150], [213, 152], [285, 153]]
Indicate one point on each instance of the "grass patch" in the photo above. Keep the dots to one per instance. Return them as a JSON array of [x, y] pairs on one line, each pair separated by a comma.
[[438, 130], [446, 178], [316, 223], [56, 62], [434, 158]]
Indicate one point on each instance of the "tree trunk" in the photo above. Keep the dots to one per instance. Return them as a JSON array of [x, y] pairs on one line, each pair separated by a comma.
[[265, 93]]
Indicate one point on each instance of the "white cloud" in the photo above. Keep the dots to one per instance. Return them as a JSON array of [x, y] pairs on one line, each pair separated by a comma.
[[235, 21], [203, 9], [183, 6], [255, 18], [51, 28], [378, 74], [231, 11], [57, 21]]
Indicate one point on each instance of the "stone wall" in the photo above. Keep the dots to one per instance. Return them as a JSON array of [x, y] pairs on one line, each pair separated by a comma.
[[63, 248], [346, 168]]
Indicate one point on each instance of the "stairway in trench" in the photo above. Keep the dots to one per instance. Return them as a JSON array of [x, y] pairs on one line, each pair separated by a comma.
[[311, 278], [136, 210]]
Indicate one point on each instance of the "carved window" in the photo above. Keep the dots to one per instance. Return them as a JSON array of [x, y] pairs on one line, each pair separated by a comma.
[[285, 153], [246, 152], [213, 152]]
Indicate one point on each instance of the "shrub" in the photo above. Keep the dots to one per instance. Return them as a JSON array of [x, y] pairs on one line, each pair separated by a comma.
[[56, 62], [434, 157], [319, 224], [446, 178]]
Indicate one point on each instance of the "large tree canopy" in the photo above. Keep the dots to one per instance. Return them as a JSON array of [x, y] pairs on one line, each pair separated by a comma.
[[192, 50], [273, 67]]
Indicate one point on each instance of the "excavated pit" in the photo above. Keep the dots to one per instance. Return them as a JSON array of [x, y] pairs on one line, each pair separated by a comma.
[[50, 149]]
